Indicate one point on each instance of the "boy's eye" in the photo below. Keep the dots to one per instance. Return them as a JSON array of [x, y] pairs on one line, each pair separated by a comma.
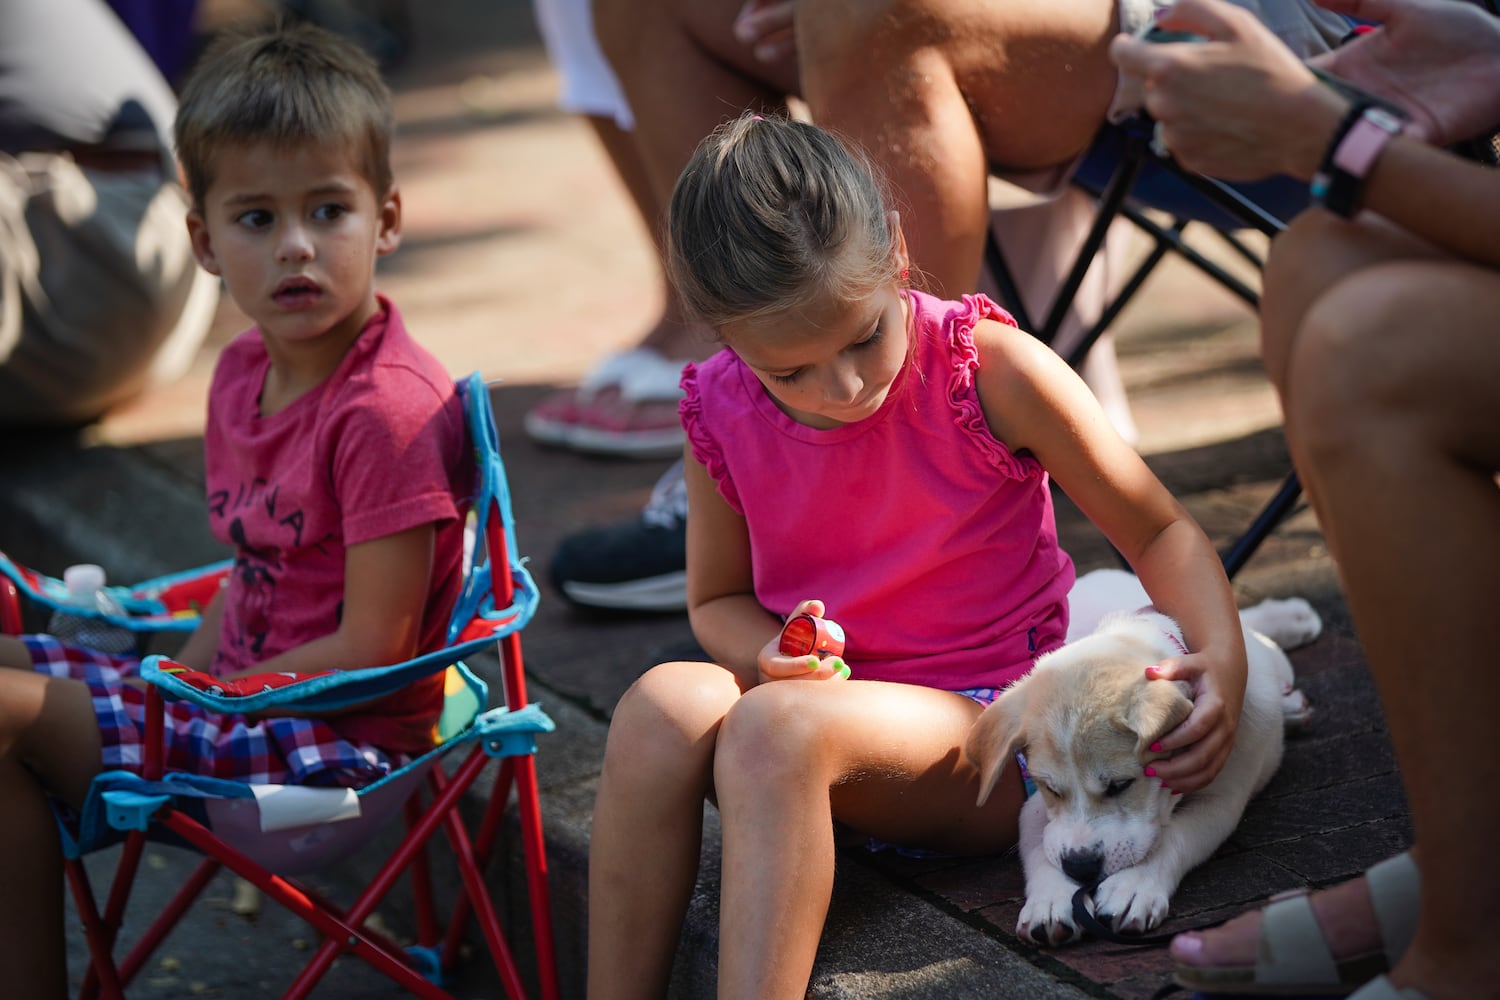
[[256, 218], [329, 212]]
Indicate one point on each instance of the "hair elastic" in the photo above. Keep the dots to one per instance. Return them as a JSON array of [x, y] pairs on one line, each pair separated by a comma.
[[905, 273]]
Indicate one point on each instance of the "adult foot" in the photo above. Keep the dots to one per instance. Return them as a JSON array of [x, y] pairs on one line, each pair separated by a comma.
[[1329, 941]]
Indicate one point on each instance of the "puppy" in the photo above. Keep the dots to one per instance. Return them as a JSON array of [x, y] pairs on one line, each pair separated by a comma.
[[1085, 718]]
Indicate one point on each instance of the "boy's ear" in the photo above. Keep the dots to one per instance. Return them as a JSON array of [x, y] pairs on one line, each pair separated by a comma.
[[389, 236], [202, 243]]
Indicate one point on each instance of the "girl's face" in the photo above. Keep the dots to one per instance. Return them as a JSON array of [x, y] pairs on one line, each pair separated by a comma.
[[295, 234], [830, 365]]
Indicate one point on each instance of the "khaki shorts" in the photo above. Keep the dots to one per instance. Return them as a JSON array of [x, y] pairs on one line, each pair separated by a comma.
[[100, 296]]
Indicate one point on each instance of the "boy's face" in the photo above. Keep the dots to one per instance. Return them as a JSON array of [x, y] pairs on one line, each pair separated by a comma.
[[295, 233]]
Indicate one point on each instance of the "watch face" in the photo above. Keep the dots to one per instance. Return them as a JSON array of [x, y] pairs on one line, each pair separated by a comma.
[[1384, 119]]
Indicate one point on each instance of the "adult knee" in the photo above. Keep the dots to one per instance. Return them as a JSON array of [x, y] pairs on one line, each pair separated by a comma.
[[1299, 270], [1355, 376]]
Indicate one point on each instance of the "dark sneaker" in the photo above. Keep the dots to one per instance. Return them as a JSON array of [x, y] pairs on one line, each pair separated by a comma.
[[639, 565]]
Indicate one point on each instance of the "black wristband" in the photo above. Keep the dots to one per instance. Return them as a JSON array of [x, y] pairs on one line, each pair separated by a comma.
[[1332, 188]]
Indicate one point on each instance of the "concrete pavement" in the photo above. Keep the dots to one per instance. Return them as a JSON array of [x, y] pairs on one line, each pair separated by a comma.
[[523, 259]]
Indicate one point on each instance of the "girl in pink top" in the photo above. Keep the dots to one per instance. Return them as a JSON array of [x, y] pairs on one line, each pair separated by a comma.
[[867, 451]]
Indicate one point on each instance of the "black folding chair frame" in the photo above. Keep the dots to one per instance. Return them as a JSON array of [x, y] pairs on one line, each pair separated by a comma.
[[1113, 203]]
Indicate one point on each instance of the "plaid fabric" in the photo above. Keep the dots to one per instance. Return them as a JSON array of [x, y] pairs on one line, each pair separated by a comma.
[[232, 747]]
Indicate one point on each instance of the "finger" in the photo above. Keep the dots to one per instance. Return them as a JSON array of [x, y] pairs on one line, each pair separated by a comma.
[[1141, 59], [830, 668], [758, 21], [787, 667], [1212, 19], [1188, 770], [811, 607], [1174, 669]]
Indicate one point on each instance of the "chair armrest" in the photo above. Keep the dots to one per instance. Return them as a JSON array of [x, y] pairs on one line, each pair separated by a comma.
[[317, 692]]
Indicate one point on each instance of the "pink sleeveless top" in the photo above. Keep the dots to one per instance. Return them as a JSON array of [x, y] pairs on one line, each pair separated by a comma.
[[927, 539]]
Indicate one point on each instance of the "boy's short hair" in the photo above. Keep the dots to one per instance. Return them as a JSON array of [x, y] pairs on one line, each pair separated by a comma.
[[285, 85]]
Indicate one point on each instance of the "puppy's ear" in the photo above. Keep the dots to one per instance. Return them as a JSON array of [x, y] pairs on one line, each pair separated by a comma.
[[996, 736], [1158, 707]]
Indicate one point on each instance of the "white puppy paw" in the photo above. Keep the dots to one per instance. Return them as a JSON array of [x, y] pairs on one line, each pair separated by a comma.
[[1133, 900], [1047, 917], [1289, 623], [1296, 710]]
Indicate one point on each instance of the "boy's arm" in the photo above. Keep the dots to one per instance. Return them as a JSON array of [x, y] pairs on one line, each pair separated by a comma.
[[1034, 401], [386, 583]]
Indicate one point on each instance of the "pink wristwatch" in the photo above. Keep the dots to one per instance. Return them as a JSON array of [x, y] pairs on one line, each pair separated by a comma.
[[1339, 182]]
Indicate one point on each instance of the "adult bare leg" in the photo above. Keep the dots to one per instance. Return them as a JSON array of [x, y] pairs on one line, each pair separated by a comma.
[[683, 72], [1393, 420]]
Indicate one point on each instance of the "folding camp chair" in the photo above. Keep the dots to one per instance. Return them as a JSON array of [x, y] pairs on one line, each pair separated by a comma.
[[266, 834], [1129, 179]]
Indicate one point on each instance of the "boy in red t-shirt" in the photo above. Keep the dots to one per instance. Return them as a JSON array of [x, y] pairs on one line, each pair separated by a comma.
[[336, 460]]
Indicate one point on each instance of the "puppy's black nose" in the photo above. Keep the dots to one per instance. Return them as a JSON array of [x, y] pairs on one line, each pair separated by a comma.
[[1082, 867]]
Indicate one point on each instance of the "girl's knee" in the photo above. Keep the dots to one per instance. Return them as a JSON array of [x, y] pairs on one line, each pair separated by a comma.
[[672, 708], [772, 735]]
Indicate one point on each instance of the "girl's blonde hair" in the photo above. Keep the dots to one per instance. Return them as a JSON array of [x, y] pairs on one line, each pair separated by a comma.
[[287, 86], [773, 214]]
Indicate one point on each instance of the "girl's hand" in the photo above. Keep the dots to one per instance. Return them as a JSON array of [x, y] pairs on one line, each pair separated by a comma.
[[766, 27], [771, 665], [1438, 60], [1202, 742]]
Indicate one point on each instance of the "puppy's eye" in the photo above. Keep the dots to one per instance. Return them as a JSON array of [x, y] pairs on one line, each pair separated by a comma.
[[1115, 788]]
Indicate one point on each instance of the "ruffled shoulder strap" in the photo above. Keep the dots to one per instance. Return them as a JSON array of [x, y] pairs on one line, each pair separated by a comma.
[[963, 358], [706, 449]]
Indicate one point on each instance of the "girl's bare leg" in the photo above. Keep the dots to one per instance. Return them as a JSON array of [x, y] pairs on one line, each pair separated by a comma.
[[647, 830], [49, 738], [885, 759], [1393, 420]]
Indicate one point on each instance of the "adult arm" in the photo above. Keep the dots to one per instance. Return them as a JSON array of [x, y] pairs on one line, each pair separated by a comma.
[[1438, 60], [1033, 401], [1240, 106]]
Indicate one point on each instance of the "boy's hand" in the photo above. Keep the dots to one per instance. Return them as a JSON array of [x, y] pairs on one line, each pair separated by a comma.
[[771, 665], [1202, 742]]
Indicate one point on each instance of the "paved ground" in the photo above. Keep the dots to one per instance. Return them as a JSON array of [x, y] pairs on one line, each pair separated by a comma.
[[522, 259]]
